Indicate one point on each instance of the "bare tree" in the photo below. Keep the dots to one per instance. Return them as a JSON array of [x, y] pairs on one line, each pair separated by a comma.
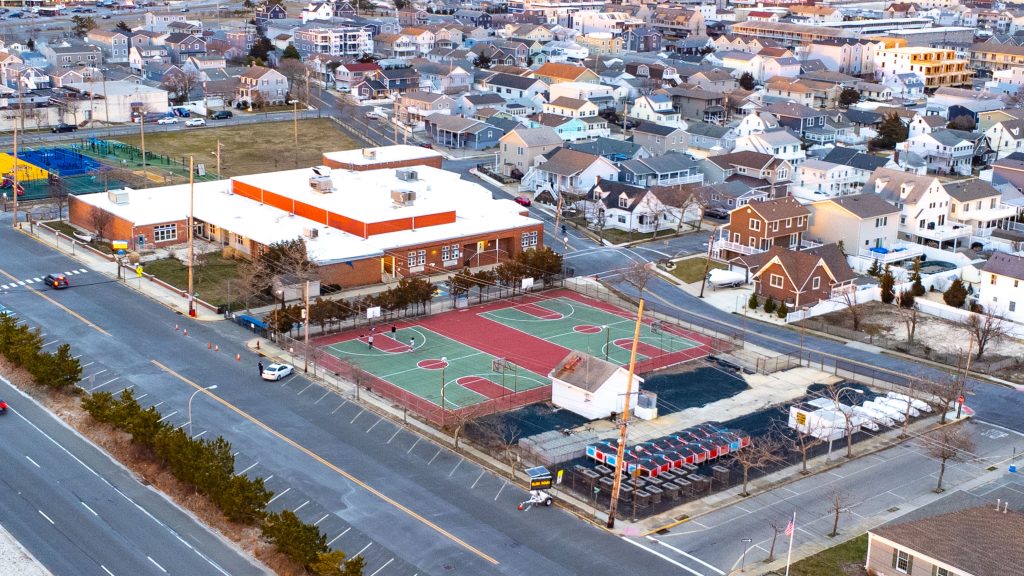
[[849, 298], [951, 442], [908, 314], [802, 442], [835, 394], [180, 83], [459, 419], [945, 389], [986, 328], [837, 503], [59, 194], [762, 452], [638, 274], [498, 433], [776, 530], [100, 219], [913, 384]]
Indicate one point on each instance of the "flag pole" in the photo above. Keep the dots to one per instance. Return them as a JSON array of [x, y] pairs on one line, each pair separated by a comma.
[[792, 534]]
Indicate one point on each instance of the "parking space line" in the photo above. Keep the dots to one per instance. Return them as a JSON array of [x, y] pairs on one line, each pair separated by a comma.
[[363, 550], [198, 435], [691, 557], [50, 342], [278, 495], [461, 460], [251, 466], [167, 416], [317, 523], [310, 385], [663, 557], [397, 430], [140, 397], [477, 480], [288, 379], [374, 425], [338, 536], [87, 364], [377, 571], [357, 416], [300, 506], [339, 406], [322, 397], [505, 483], [435, 456], [413, 445]]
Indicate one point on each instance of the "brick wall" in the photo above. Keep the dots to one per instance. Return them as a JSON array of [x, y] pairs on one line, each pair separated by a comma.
[[83, 215]]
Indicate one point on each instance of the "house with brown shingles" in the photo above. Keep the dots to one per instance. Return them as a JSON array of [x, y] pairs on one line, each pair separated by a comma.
[[800, 278], [755, 170], [555, 72], [758, 226]]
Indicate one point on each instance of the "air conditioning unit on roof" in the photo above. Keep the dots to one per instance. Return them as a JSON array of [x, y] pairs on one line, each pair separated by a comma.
[[406, 175]]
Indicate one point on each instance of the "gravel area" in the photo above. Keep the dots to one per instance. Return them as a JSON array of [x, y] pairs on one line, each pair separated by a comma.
[[16, 560]]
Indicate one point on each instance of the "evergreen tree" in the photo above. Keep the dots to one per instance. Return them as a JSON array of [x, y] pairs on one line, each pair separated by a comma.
[[747, 81], [917, 287], [956, 294], [299, 541], [906, 299], [849, 96], [891, 132], [291, 52], [875, 269], [783, 310], [769, 305], [888, 285], [752, 303]]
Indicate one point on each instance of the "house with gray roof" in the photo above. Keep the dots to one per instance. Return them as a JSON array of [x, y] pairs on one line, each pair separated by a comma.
[[709, 139], [567, 172], [611, 148], [866, 224], [461, 133], [659, 139], [664, 170], [629, 208], [1002, 286]]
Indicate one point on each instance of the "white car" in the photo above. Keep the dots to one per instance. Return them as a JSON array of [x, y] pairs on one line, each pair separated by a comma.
[[167, 120], [277, 371], [195, 122]]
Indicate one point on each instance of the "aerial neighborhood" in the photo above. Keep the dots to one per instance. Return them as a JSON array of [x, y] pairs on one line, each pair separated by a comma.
[[398, 287]]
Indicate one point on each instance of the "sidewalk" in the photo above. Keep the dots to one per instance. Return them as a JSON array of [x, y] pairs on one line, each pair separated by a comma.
[[147, 285]]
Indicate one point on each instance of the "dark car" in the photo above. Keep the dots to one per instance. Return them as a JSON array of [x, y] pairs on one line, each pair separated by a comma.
[[56, 281], [222, 115], [64, 128], [716, 213]]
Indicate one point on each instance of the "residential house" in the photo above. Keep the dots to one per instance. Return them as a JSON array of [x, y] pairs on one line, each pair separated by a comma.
[[564, 171], [620, 206], [350, 74], [780, 143], [660, 139], [1006, 137], [713, 80], [975, 203], [807, 122], [860, 163], [158, 21], [334, 41], [413, 107], [924, 207], [183, 45], [611, 148], [944, 151], [787, 67], [642, 39], [397, 80], [1002, 288], [665, 170], [394, 46], [267, 11], [965, 541], [814, 15], [758, 226], [423, 39], [477, 18], [921, 124], [756, 170], [461, 133], [655, 71], [449, 79], [695, 103], [739, 62], [142, 55], [906, 86], [572, 129], [513, 87], [317, 11], [708, 139], [865, 225], [789, 90], [571, 107], [262, 84], [553, 73], [518, 149], [755, 121], [67, 55], [656, 108], [470, 104], [113, 43], [873, 91], [800, 278], [409, 16]]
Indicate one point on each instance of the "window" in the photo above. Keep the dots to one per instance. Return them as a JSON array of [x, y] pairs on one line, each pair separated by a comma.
[[239, 240], [165, 232], [529, 239], [775, 226], [1012, 306], [421, 257], [445, 253], [902, 561], [623, 201], [775, 281], [992, 279], [456, 251], [816, 283], [755, 225], [789, 222], [410, 260]]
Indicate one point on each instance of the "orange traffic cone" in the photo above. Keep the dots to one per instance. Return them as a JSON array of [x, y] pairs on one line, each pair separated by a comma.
[[238, 357], [216, 348], [184, 332], [209, 345]]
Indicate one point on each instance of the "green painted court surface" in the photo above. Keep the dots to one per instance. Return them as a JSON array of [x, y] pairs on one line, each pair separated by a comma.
[[416, 367], [578, 326]]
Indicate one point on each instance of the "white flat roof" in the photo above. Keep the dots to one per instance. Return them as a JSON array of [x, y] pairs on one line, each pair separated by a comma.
[[397, 153], [476, 212], [114, 88]]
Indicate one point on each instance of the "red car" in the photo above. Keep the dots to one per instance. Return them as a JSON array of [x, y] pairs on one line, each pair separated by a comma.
[[523, 201]]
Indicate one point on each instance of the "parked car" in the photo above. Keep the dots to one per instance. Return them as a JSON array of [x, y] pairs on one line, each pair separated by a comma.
[[195, 122], [167, 120], [56, 281], [277, 371], [62, 127], [523, 200], [222, 115]]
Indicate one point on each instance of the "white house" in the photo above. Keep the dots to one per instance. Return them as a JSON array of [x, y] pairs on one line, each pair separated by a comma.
[[755, 122], [591, 387], [656, 108], [866, 224], [785, 67], [569, 171], [817, 180], [1002, 286], [780, 143], [1006, 137], [621, 206], [924, 207], [944, 151]]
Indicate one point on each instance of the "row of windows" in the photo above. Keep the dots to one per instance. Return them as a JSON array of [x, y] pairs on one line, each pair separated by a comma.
[[416, 258], [165, 232], [755, 224], [775, 280], [529, 239], [450, 252]]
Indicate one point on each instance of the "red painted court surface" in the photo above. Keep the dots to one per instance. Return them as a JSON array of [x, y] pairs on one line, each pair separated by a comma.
[[483, 386], [538, 311], [385, 343]]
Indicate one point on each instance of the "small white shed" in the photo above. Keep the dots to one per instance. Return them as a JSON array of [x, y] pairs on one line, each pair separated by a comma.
[[590, 386]]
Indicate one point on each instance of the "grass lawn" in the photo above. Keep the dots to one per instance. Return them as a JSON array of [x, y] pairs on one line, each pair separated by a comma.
[[250, 148], [210, 280], [69, 230], [692, 269], [846, 559]]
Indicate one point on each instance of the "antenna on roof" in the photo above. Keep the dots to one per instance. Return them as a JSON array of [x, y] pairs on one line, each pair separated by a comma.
[[316, 170]]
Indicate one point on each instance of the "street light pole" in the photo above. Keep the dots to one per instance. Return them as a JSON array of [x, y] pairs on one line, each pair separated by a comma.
[[444, 364], [207, 389], [607, 339]]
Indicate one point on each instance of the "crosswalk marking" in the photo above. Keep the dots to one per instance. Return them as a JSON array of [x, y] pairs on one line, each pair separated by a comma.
[[36, 279], [21, 283]]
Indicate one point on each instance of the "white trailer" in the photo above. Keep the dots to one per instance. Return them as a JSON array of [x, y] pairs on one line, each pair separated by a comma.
[[890, 411], [874, 417], [902, 405], [919, 404], [726, 278]]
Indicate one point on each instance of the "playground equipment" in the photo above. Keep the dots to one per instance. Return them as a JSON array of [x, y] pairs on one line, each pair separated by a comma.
[[540, 483], [8, 183]]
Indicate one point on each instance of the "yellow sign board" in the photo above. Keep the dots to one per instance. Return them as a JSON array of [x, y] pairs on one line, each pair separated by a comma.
[[138, 270], [119, 244], [801, 418]]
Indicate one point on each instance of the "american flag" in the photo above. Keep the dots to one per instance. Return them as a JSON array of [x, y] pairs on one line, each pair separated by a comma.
[[790, 527]]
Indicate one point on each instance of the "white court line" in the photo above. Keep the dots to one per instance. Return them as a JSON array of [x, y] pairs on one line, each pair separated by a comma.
[[694, 558], [663, 557], [377, 571]]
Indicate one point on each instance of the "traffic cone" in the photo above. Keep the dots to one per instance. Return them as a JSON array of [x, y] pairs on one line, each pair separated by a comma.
[[184, 332], [238, 357], [216, 348], [209, 345]]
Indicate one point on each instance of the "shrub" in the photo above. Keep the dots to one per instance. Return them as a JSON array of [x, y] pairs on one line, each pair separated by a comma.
[[752, 303], [956, 294], [906, 299], [769, 305], [782, 311], [875, 269], [888, 285]]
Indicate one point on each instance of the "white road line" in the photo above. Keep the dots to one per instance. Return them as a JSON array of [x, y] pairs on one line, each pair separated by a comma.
[[694, 558], [377, 571], [413, 445], [300, 506], [363, 550], [157, 565], [393, 435], [499, 490], [461, 460], [663, 557], [339, 407], [50, 342], [267, 479], [82, 270], [89, 509], [47, 517], [33, 462], [306, 388], [158, 404], [322, 397], [105, 570], [317, 523], [435, 456], [477, 480], [167, 416], [97, 374], [374, 425], [198, 435], [86, 365], [37, 279], [357, 416], [140, 397], [276, 496], [251, 466], [183, 424], [336, 537]]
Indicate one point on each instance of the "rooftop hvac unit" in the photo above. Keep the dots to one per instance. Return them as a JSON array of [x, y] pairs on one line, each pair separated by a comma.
[[646, 405], [369, 153], [403, 197], [406, 175], [321, 184], [119, 197], [311, 233]]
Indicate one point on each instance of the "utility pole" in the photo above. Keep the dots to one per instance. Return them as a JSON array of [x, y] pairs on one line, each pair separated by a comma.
[[14, 170], [217, 154], [963, 380], [707, 263], [305, 325], [191, 227], [142, 142], [617, 483], [295, 129]]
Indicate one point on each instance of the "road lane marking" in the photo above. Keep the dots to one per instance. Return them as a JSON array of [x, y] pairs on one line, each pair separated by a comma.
[[251, 466], [663, 557], [317, 523], [694, 558], [89, 509], [357, 416], [461, 460], [477, 480], [156, 564], [377, 571], [500, 489], [276, 496], [413, 445], [43, 514], [348, 475], [167, 416], [322, 397], [105, 570], [393, 435], [34, 462], [59, 305], [435, 456]]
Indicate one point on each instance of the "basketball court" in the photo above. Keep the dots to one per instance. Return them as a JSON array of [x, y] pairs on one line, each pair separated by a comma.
[[500, 353]]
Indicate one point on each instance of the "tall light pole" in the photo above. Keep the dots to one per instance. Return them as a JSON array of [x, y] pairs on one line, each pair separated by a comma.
[[444, 364], [295, 129], [607, 340], [207, 389], [305, 326], [191, 234], [142, 143]]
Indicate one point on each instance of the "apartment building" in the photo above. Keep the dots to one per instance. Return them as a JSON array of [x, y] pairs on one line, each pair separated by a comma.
[[937, 67]]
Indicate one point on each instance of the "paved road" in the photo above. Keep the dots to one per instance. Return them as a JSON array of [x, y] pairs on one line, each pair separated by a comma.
[[362, 479], [80, 513]]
